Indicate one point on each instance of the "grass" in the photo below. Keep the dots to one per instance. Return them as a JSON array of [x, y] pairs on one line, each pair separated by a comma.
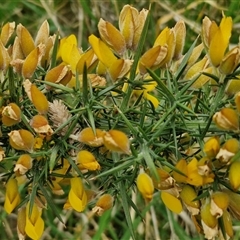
[[81, 18]]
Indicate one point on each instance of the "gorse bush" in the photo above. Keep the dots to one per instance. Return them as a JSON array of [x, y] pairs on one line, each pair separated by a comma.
[[89, 130]]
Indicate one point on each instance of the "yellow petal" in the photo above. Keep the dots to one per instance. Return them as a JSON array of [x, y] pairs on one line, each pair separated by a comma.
[[152, 99], [188, 194], [171, 202], [104, 203], [182, 167], [212, 147], [180, 32], [102, 51], [233, 86], [88, 58]]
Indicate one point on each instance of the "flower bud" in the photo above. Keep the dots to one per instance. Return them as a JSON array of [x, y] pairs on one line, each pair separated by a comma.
[[36, 96], [219, 203], [86, 160], [23, 164], [21, 223], [131, 23], [32, 60], [212, 147], [112, 36], [42, 34], [25, 38], [237, 101], [116, 141], [104, 203], [180, 32], [230, 61], [227, 119], [4, 57], [233, 174], [88, 137], [152, 58], [40, 125], [227, 222], [21, 140], [60, 74], [145, 185], [6, 32], [11, 114], [188, 195]]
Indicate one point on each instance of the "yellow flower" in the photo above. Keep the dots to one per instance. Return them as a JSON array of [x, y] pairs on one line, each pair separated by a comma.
[[12, 198], [34, 223], [145, 185], [167, 38], [77, 196], [11, 114], [209, 222], [230, 61], [86, 160], [23, 164], [227, 222], [104, 203], [21, 140], [234, 177], [216, 38], [152, 58], [131, 23], [237, 101], [116, 141], [38, 99], [227, 119], [188, 195], [32, 60], [88, 137], [4, 57], [117, 68], [40, 125], [192, 172], [150, 86], [180, 32], [219, 203], [6, 32], [212, 147], [60, 74]]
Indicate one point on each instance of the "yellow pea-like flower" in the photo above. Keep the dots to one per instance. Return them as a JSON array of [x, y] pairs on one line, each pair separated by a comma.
[[171, 202], [86, 160], [11, 114], [227, 119], [212, 147], [6, 32], [12, 197], [116, 141], [145, 185], [104, 203], [234, 177]]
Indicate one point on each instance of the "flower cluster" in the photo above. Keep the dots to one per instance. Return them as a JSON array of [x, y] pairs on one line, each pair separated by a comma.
[[89, 126]]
